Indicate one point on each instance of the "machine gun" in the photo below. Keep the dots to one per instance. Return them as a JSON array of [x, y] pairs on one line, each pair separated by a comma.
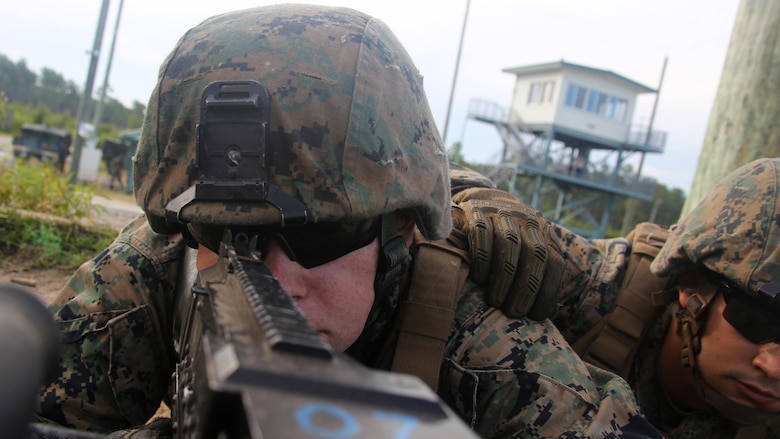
[[252, 366]]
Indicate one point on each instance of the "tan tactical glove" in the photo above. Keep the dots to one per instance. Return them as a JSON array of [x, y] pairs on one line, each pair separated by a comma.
[[511, 252]]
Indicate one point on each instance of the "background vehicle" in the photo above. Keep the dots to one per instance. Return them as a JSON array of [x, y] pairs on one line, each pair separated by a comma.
[[43, 142]]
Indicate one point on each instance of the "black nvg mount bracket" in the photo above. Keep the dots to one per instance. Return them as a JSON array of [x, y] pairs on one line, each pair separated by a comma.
[[233, 152]]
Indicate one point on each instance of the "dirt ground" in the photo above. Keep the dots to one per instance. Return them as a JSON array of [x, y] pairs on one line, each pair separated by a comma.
[[45, 283]]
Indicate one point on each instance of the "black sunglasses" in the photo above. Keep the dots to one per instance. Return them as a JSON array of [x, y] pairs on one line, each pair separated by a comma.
[[755, 316], [310, 245]]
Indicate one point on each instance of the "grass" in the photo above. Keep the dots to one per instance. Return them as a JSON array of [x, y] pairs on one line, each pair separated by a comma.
[[41, 217]]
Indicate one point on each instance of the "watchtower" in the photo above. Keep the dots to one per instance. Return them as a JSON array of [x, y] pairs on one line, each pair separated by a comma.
[[568, 135]]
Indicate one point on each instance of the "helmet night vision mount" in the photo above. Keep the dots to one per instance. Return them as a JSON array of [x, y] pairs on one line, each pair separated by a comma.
[[233, 152]]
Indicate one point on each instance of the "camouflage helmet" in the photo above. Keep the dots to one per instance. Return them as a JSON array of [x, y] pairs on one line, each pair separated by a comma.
[[734, 231], [350, 134]]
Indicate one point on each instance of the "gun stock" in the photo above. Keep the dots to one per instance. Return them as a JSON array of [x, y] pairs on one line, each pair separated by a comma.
[[252, 366]]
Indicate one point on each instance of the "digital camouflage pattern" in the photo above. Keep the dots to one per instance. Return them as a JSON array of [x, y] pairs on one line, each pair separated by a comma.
[[115, 315], [519, 378], [734, 231], [590, 282], [505, 377], [351, 133]]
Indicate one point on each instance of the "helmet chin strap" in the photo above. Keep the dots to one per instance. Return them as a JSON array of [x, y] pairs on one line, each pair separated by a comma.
[[391, 269], [689, 324]]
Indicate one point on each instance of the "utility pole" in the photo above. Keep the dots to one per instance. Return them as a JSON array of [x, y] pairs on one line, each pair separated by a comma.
[[103, 90], [743, 120], [455, 75], [87, 97], [628, 218]]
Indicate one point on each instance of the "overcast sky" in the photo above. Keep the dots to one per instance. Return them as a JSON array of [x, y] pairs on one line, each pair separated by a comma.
[[629, 37]]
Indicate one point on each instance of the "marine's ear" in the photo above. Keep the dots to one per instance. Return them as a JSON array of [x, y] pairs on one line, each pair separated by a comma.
[[689, 284]]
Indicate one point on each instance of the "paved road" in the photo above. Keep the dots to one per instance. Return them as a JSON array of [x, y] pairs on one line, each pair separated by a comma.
[[5, 148], [118, 213]]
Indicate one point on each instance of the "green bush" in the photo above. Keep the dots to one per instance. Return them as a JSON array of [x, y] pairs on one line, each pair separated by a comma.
[[40, 213], [39, 187], [38, 243]]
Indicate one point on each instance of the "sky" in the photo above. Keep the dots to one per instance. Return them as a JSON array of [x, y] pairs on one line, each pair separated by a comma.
[[632, 38]]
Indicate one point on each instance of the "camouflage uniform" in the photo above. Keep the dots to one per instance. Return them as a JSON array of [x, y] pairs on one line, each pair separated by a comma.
[[350, 137], [504, 377], [116, 319], [732, 232]]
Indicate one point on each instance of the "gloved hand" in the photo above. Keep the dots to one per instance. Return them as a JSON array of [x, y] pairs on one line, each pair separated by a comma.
[[511, 252]]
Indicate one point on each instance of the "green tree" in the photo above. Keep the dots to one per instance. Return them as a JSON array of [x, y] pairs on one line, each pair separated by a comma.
[[16, 80], [51, 99], [136, 115], [57, 93]]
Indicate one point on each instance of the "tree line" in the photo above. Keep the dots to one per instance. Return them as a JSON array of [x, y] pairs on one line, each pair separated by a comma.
[[47, 97]]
